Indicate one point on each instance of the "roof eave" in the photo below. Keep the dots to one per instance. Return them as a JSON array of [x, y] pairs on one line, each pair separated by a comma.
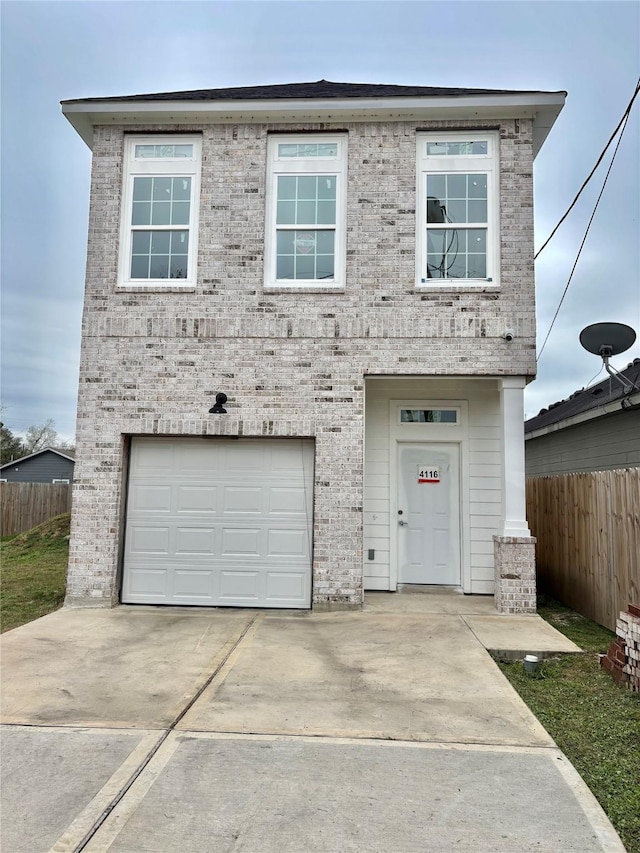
[[589, 415], [542, 107]]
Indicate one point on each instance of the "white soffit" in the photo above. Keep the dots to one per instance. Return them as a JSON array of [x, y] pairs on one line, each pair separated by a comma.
[[542, 107]]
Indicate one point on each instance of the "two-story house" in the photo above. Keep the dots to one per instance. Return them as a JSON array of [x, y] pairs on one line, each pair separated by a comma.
[[352, 267]]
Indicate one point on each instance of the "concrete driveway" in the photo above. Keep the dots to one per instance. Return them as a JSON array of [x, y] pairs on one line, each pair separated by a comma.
[[391, 729]]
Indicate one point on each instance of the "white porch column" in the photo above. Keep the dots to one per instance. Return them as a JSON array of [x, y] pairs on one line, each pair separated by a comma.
[[514, 507]]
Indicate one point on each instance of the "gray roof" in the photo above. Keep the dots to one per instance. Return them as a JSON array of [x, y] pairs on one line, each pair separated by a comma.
[[585, 399], [67, 452], [321, 89]]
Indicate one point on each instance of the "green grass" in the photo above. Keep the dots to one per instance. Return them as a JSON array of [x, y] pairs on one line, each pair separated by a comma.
[[34, 566], [595, 722]]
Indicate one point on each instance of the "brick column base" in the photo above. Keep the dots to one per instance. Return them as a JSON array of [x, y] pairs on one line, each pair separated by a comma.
[[515, 574]]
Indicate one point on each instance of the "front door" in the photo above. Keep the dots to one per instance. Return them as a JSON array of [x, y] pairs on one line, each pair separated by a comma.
[[429, 514]]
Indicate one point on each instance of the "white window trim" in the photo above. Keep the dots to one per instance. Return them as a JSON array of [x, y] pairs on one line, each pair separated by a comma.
[[277, 166], [482, 163], [163, 167]]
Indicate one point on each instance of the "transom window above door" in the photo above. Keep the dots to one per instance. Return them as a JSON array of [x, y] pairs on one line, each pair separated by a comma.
[[457, 222], [305, 233], [159, 211]]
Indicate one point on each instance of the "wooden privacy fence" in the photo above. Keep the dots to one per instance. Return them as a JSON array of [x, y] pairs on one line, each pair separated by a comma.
[[23, 505], [588, 531]]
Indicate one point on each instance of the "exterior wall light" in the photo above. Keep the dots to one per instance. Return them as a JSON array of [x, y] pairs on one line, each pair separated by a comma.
[[219, 409]]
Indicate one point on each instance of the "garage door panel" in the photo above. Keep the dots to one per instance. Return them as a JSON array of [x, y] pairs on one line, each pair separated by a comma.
[[233, 522], [247, 500], [151, 498], [149, 540], [240, 541], [195, 540], [190, 583], [240, 585], [286, 586], [196, 458], [287, 543], [290, 501], [149, 583], [250, 462], [154, 458], [196, 499]]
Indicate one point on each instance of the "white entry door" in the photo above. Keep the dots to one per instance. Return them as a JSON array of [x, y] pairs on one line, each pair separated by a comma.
[[428, 515]]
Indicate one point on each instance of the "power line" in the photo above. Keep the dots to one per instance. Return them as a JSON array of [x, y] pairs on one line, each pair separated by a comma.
[[624, 118], [584, 239]]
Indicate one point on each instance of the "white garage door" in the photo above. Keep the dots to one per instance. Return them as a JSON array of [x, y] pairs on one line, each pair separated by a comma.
[[219, 522]]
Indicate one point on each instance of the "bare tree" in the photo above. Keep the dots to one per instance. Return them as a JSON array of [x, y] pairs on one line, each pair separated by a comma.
[[44, 435]]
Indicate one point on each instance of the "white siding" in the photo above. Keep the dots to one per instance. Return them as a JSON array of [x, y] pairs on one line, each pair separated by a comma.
[[481, 472]]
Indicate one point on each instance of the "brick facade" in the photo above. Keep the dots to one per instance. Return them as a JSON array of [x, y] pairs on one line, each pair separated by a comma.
[[515, 573], [291, 361]]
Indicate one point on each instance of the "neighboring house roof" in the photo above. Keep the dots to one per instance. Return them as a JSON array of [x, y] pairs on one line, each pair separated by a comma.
[[64, 451], [318, 101], [319, 89], [586, 403]]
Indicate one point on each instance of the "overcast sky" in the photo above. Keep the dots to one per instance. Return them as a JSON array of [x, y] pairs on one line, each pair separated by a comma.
[[52, 51]]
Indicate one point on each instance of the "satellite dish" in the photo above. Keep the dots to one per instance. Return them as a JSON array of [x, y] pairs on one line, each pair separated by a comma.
[[607, 339]]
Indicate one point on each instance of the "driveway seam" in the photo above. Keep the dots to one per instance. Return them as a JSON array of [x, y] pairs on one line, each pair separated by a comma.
[[98, 822]]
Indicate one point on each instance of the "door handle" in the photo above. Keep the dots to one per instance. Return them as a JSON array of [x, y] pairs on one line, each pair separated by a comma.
[[402, 523]]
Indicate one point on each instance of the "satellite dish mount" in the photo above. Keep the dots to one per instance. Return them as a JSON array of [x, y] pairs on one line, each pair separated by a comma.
[[607, 340]]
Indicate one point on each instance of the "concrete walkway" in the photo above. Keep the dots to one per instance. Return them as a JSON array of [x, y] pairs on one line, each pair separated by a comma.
[[391, 729]]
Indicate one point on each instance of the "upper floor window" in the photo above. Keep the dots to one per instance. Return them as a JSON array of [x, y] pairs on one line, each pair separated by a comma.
[[457, 240], [159, 210], [306, 215]]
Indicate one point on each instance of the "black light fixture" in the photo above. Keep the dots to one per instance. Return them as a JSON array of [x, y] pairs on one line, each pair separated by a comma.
[[219, 408]]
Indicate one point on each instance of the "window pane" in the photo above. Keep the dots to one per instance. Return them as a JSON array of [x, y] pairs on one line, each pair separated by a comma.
[[287, 150], [326, 214], [141, 242], [428, 416], [178, 266], [158, 151], [286, 188], [161, 213], [305, 255], [179, 242], [306, 213], [458, 197], [161, 189], [141, 213], [160, 266], [286, 214], [142, 189], [325, 241], [160, 242], [436, 186], [140, 266], [477, 211], [285, 266], [308, 149], [456, 186], [456, 253], [180, 213], [305, 266], [477, 186], [181, 189], [307, 187], [452, 149], [325, 267], [306, 200], [327, 187], [285, 242]]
